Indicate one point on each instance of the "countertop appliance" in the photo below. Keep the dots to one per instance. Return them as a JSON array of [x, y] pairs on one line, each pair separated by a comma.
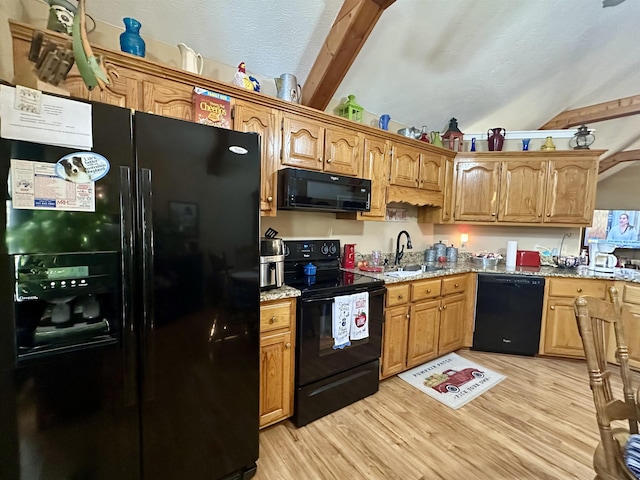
[[271, 263], [329, 378], [601, 258], [129, 341], [527, 258], [508, 314], [324, 192]]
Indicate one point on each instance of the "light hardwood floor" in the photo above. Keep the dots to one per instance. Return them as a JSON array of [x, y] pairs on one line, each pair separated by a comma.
[[539, 423]]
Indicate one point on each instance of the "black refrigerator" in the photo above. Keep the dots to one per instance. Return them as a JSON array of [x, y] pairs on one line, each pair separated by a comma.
[[129, 335]]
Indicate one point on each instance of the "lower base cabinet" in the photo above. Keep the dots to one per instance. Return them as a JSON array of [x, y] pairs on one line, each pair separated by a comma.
[[277, 334], [560, 335], [423, 320]]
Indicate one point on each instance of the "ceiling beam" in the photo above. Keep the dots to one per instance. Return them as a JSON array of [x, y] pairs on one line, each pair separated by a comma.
[[615, 159], [623, 107], [349, 32]]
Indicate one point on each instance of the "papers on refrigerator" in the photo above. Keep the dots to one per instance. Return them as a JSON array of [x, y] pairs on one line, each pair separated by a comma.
[[55, 121]]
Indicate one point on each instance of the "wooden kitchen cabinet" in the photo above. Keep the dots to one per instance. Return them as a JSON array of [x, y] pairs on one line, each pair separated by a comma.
[[123, 91], [171, 99], [524, 188], [277, 333], [559, 335], [429, 322], [630, 295], [416, 168], [375, 167], [265, 121], [315, 146]]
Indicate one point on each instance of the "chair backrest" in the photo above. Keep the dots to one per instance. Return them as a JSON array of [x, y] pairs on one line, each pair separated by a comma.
[[597, 320]]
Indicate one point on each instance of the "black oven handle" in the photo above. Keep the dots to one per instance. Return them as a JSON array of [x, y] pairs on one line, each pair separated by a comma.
[[377, 291]]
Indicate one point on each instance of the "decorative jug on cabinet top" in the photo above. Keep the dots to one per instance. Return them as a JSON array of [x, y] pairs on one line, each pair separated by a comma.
[[288, 88], [191, 61], [495, 138], [435, 139]]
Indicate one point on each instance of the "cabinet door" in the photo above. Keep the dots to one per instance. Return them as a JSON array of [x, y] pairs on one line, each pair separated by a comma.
[[376, 169], [394, 341], [422, 343], [561, 329], [571, 192], [302, 143], [405, 166], [447, 203], [452, 321], [522, 188], [250, 117], [632, 334], [343, 151], [431, 175], [476, 196], [171, 99], [123, 90], [276, 378]]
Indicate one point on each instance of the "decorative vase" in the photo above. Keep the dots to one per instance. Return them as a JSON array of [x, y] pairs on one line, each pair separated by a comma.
[[383, 122], [548, 144], [473, 145], [130, 39], [495, 139], [435, 139], [525, 144], [424, 136]]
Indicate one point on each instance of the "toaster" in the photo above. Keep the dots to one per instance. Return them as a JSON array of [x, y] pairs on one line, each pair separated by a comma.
[[527, 258]]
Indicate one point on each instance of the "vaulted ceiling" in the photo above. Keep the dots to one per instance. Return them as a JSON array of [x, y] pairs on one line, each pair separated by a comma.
[[520, 65]]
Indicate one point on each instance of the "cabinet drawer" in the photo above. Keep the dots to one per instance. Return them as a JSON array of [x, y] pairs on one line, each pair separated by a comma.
[[276, 315], [574, 287], [397, 294], [454, 284], [423, 289], [631, 294]]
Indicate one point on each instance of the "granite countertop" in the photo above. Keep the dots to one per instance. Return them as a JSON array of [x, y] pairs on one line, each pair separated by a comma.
[[627, 275]]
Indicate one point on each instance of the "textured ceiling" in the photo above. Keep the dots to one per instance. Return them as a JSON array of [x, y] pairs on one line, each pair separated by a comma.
[[493, 63]]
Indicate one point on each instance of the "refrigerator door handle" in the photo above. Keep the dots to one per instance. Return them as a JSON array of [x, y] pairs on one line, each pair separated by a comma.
[[148, 318], [126, 266]]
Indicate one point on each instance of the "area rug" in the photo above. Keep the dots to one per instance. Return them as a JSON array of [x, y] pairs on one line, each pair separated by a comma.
[[452, 379]]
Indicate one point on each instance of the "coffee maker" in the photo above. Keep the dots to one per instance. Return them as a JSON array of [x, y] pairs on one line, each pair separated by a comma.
[[271, 263], [601, 259]]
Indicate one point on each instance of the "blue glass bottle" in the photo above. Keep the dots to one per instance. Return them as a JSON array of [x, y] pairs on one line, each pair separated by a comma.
[[130, 39]]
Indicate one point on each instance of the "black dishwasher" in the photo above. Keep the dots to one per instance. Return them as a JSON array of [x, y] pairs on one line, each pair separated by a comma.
[[508, 314]]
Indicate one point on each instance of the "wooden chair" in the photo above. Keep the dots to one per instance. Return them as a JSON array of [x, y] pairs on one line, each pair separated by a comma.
[[595, 319]]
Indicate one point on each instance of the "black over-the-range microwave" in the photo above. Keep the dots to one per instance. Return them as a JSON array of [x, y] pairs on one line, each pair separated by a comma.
[[322, 192]]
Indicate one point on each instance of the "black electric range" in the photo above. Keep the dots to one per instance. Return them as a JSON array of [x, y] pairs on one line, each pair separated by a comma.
[[329, 279]]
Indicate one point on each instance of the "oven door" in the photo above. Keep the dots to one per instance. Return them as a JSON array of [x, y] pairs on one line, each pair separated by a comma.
[[315, 356]]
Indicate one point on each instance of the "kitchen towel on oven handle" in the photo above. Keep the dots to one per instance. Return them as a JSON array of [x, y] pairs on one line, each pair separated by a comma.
[[359, 316], [341, 321]]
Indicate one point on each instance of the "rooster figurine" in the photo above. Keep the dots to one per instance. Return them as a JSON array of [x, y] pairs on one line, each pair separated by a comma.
[[242, 80]]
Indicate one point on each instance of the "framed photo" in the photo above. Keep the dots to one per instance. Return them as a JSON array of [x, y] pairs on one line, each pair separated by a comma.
[[184, 217]]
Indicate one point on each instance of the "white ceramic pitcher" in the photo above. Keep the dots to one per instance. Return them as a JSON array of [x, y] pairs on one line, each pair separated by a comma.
[[191, 61]]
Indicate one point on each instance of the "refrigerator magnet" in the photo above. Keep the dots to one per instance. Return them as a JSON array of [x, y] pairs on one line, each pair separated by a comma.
[[82, 167]]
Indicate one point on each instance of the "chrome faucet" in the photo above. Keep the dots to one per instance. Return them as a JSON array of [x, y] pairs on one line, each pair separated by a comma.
[[400, 251]]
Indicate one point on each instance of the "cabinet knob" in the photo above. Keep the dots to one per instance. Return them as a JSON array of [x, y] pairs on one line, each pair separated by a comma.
[[273, 319], [444, 307], [320, 159], [400, 297], [328, 160], [428, 290], [548, 214], [456, 285], [539, 214], [408, 315], [287, 345], [579, 290], [269, 199], [493, 214], [552, 307]]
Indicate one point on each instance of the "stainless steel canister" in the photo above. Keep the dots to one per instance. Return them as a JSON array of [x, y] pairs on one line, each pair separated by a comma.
[[430, 255], [452, 254], [441, 249]]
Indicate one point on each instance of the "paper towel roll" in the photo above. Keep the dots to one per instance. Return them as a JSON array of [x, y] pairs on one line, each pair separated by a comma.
[[512, 248]]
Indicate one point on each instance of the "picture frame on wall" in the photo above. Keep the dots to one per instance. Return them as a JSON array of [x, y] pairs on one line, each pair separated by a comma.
[[184, 217]]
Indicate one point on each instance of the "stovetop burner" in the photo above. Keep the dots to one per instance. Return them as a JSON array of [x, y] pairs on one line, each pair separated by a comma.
[[329, 279]]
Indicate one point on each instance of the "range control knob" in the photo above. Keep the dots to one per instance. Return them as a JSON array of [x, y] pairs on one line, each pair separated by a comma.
[[324, 249], [333, 249]]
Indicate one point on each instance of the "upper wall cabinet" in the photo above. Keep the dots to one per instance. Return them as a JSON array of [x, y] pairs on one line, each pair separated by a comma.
[[315, 146], [521, 188]]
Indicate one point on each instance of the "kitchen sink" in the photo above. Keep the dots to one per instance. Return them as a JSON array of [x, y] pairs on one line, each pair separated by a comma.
[[403, 271]]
